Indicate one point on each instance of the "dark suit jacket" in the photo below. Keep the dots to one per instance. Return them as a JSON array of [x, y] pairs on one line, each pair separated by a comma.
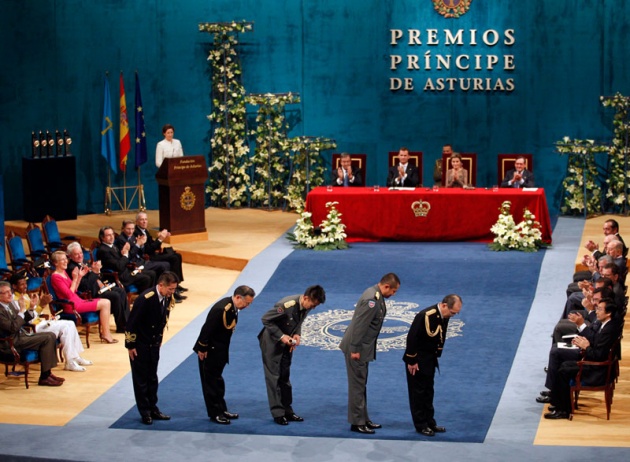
[[113, 260], [601, 343], [147, 320], [412, 179], [356, 172], [425, 343], [528, 178], [152, 246], [216, 332]]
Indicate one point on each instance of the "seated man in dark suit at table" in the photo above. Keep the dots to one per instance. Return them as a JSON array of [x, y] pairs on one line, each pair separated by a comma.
[[518, 177], [346, 174], [403, 174]]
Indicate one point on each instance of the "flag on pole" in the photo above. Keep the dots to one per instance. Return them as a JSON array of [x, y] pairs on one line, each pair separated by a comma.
[[108, 146], [141, 136], [125, 142]]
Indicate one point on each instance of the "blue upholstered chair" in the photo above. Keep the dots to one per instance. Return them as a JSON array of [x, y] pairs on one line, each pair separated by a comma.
[[54, 241], [14, 358], [20, 262], [35, 240]]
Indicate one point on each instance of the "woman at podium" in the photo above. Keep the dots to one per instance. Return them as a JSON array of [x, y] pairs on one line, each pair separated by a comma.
[[168, 147]]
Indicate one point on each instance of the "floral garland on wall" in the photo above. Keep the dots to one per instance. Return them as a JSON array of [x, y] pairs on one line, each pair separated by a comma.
[[618, 180], [525, 236], [307, 156], [330, 235], [581, 171], [229, 178], [271, 158]]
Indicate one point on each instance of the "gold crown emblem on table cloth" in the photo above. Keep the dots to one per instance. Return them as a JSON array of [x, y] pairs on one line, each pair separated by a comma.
[[420, 208]]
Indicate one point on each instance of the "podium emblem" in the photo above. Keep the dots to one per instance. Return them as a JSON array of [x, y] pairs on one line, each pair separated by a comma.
[[451, 8], [187, 199]]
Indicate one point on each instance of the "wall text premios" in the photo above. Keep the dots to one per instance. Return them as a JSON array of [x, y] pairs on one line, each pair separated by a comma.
[[483, 65]]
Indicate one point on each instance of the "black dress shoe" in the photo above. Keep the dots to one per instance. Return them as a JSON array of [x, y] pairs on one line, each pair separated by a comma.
[[182, 289], [426, 431], [293, 418], [557, 415], [438, 429], [147, 420], [230, 415], [372, 425], [551, 408], [282, 420], [545, 393], [179, 296], [543, 399], [221, 420], [157, 415], [362, 429]]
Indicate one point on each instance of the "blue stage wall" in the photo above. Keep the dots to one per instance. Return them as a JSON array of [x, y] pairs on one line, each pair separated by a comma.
[[336, 54]]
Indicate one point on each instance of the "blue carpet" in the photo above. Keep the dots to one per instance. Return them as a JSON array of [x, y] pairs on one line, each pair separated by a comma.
[[497, 289]]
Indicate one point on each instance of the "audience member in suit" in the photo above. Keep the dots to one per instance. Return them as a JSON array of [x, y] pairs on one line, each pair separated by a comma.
[[346, 174], [518, 177], [425, 342], [279, 337], [594, 347], [610, 271], [143, 340], [213, 349], [611, 227], [93, 284], [12, 326], [153, 248], [64, 330], [404, 174], [577, 320], [117, 260], [359, 347], [65, 287], [457, 176], [136, 255]]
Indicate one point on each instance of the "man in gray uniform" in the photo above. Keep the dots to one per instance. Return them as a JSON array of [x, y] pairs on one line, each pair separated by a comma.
[[278, 338], [359, 347]]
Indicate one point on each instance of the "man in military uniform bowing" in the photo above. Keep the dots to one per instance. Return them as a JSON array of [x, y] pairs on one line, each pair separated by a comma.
[[213, 349], [279, 337], [143, 338], [359, 347], [425, 341]]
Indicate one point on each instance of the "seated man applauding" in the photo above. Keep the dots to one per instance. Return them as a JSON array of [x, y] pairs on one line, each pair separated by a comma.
[[11, 325], [65, 331]]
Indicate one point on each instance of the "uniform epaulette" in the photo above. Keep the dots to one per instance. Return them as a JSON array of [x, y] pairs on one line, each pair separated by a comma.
[[289, 304], [228, 307], [149, 294], [431, 312], [377, 295]]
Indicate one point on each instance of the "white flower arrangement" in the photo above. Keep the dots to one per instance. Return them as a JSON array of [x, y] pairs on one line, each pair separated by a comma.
[[329, 235], [229, 180], [271, 158], [617, 178], [524, 236], [581, 168]]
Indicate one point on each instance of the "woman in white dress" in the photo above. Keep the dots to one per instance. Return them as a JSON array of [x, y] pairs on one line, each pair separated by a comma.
[[168, 147]]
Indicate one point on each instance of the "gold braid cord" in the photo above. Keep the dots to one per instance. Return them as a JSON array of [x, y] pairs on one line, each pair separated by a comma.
[[232, 325], [427, 325]]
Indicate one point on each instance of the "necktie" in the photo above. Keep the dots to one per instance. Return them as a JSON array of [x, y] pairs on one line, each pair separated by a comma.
[[345, 179]]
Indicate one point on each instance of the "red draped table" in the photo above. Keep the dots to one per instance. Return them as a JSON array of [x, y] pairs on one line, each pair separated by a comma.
[[454, 214]]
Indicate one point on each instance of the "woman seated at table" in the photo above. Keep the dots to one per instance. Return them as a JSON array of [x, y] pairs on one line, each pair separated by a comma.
[[65, 288], [457, 176]]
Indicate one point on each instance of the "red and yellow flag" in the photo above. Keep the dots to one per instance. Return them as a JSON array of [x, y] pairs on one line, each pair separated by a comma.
[[125, 142]]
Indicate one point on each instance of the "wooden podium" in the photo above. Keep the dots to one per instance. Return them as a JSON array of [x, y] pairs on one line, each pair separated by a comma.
[[181, 186]]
